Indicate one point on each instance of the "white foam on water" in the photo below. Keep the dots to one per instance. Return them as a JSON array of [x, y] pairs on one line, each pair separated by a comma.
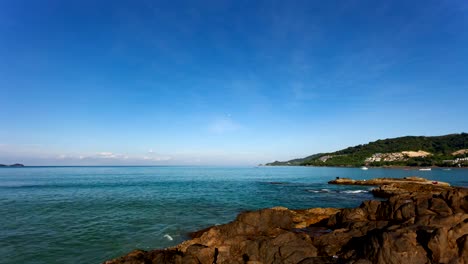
[[168, 237], [320, 191], [355, 191]]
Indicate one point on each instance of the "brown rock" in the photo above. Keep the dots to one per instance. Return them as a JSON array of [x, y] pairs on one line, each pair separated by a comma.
[[410, 227], [305, 218], [398, 246], [446, 242], [383, 181], [396, 186]]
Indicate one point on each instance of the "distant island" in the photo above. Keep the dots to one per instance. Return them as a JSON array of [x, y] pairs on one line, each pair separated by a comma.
[[16, 165], [418, 151]]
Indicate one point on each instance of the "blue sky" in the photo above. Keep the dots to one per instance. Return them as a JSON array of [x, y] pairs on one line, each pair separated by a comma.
[[224, 82]]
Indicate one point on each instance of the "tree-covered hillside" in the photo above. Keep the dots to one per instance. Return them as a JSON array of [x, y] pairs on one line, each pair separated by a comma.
[[441, 148]]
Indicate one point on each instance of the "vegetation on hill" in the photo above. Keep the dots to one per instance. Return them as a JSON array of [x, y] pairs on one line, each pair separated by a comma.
[[441, 148]]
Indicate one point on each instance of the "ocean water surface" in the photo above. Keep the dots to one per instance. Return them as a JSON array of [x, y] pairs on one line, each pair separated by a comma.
[[91, 214]]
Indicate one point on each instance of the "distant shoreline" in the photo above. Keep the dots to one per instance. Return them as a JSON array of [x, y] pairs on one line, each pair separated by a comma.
[[16, 165], [214, 166], [370, 167]]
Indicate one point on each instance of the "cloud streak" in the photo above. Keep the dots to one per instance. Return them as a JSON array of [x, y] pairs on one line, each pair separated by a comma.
[[158, 158]]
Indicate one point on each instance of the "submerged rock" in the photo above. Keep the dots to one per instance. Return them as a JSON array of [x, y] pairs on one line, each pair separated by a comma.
[[409, 227]]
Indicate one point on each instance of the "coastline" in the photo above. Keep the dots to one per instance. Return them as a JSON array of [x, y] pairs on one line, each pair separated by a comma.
[[408, 227], [370, 167]]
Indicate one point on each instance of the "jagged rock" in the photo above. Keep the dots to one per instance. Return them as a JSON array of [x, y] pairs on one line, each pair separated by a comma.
[[392, 246], [409, 227], [305, 218]]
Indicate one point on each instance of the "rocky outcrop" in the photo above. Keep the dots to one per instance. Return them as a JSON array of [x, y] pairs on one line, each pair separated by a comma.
[[407, 228], [276, 235], [392, 186], [388, 190], [410, 181]]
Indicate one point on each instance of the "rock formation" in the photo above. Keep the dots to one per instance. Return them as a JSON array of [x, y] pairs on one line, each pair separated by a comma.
[[414, 181], [393, 186], [409, 227]]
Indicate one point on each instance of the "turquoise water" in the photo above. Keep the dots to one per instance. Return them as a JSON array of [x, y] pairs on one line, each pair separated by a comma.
[[90, 214]]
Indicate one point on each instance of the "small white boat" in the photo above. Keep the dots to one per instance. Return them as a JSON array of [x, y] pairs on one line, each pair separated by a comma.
[[364, 168], [425, 169]]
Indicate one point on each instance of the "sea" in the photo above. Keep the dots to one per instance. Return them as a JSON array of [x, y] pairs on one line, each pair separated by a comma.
[[92, 214]]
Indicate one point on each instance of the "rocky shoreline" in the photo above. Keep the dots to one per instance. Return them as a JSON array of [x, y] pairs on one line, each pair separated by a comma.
[[420, 222]]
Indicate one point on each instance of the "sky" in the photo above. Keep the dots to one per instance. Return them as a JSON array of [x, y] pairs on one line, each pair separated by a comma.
[[224, 82]]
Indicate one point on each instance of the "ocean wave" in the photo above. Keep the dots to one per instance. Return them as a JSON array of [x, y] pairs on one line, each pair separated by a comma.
[[355, 191], [338, 191], [320, 191]]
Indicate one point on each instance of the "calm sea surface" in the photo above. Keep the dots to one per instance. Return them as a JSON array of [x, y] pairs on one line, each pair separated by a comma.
[[91, 214]]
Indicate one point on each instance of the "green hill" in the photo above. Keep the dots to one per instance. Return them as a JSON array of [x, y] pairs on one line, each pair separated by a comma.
[[387, 152]]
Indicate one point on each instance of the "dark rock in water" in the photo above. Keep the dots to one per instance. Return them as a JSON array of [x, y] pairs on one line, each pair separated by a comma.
[[414, 227]]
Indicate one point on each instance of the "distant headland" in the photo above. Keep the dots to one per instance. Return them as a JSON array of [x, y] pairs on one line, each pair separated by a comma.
[[414, 151], [16, 165]]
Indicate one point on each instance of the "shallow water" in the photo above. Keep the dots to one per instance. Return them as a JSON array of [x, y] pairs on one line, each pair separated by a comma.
[[90, 214]]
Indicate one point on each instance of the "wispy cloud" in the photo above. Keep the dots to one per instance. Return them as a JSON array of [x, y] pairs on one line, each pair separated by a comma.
[[110, 155], [157, 158], [153, 156], [113, 157], [96, 156]]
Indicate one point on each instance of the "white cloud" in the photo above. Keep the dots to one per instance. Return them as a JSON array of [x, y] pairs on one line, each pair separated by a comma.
[[106, 155], [111, 155], [114, 158], [159, 158]]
